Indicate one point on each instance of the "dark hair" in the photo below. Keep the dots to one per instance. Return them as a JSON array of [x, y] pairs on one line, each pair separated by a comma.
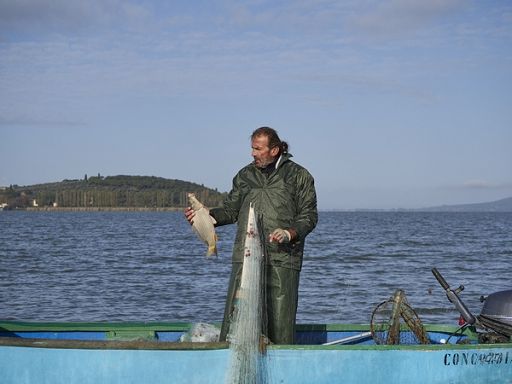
[[273, 138]]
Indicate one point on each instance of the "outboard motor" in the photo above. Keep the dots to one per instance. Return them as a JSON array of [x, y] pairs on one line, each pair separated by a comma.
[[496, 313]]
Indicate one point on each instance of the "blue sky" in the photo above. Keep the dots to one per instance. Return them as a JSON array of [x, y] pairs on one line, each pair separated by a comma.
[[389, 104]]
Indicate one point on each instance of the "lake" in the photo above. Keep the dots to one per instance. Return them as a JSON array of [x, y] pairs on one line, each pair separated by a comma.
[[148, 266]]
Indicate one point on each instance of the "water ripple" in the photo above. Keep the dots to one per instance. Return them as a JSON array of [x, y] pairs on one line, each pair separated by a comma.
[[144, 266]]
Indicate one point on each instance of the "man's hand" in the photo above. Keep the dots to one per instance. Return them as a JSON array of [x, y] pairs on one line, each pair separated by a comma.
[[189, 215], [280, 235]]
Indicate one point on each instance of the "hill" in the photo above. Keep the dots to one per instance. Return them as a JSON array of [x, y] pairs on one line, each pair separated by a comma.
[[503, 205], [109, 192]]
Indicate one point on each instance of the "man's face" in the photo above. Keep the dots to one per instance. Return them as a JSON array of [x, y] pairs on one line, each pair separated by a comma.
[[261, 153]]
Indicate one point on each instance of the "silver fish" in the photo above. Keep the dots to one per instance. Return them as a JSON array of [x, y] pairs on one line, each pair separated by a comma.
[[203, 225]]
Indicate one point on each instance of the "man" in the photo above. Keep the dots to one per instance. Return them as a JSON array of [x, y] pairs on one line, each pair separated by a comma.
[[283, 193]]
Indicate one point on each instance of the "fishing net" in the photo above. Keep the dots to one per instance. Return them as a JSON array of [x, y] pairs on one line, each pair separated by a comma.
[[247, 362], [395, 322]]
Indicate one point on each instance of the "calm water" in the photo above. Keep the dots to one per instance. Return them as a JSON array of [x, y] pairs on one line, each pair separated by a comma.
[[120, 266]]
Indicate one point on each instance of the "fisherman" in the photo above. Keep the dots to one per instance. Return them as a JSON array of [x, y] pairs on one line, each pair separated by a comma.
[[283, 193]]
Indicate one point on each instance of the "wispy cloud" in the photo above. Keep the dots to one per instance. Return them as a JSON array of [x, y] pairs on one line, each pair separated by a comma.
[[28, 19], [99, 50], [400, 18], [484, 184], [131, 49], [31, 121]]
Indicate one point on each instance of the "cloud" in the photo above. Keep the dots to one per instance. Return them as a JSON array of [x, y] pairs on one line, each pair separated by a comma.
[[28, 18], [348, 22], [301, 50], [401, 17], [484, 184], [477, 184]]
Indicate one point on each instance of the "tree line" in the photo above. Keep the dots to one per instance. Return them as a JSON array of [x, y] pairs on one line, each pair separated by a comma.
[[111, 191]]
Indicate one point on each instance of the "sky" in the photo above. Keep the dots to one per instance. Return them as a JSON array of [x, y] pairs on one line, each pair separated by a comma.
[[389, 104]]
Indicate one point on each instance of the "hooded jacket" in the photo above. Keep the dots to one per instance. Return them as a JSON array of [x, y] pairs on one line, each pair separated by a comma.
[[285, 198]]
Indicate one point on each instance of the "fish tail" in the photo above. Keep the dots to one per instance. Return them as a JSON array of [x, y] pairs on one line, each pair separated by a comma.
[[212, 250]]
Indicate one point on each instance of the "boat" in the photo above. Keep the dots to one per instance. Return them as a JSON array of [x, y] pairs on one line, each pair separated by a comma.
[[479, 351], [152, 353]]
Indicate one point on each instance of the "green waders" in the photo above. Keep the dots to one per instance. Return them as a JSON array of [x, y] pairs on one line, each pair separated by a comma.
[[282, 286]]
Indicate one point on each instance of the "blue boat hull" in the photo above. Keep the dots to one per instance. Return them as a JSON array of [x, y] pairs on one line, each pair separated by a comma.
[[53, 358], [20, 365]]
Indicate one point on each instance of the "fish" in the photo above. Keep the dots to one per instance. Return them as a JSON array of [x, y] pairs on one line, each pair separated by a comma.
[[203, 225]]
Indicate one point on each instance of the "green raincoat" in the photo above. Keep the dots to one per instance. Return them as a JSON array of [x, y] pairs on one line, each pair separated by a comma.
[[285, 198]]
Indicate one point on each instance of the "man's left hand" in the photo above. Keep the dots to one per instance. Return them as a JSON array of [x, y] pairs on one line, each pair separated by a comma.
[[280, 235]]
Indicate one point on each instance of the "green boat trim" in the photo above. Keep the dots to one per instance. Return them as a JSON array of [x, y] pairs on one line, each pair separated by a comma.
[[143, 335], [29, 326]]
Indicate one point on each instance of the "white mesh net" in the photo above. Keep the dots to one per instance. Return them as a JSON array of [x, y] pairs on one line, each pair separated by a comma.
[[247, 362]]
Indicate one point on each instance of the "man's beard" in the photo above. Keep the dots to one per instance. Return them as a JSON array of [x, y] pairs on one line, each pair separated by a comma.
[[263, 163]]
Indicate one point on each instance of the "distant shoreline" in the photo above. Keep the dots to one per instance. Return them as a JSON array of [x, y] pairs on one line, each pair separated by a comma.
[[178, 209], [100, 209]]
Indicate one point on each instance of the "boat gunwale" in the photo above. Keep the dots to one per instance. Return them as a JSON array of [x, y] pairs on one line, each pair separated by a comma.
[[34, 326], [136, 343], [181, 346], [110, 344]]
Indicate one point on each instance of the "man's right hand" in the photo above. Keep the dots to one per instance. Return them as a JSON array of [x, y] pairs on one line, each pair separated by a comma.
[[189, 215]]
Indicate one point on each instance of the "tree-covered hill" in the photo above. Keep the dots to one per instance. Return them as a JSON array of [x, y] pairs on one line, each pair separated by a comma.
[[112, 191]]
